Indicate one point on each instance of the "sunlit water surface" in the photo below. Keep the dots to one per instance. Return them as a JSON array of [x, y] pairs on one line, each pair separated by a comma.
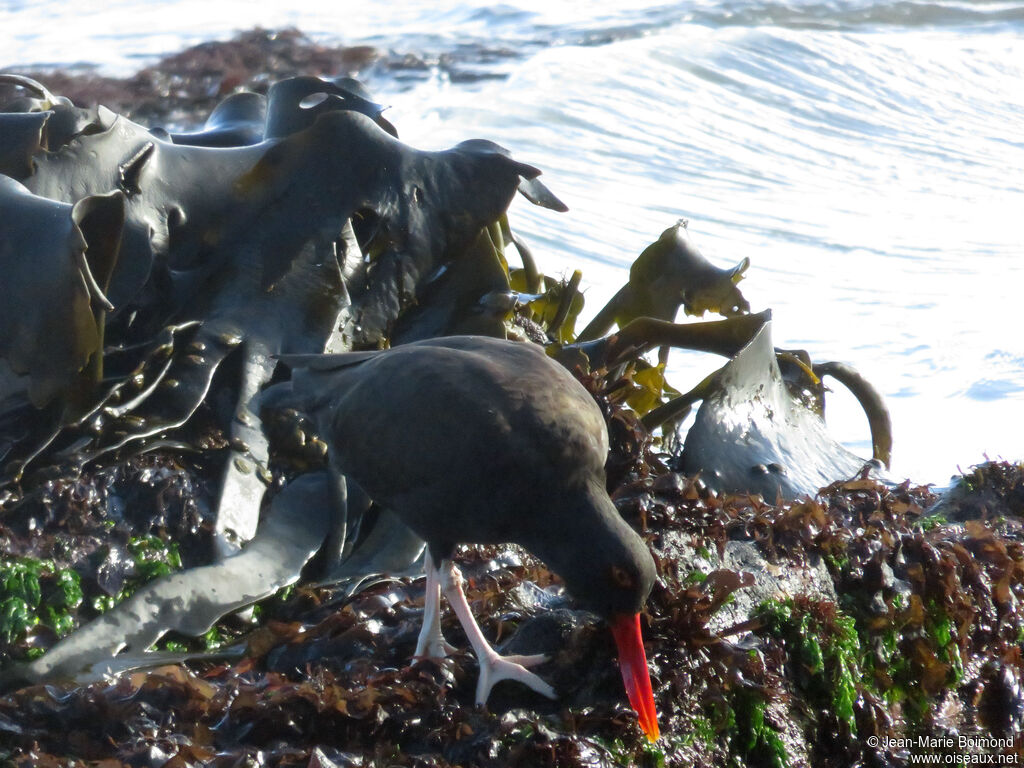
[[868, 157]]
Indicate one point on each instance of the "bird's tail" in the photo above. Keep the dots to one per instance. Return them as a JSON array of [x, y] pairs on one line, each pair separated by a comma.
[[316, 379], [278, 397]]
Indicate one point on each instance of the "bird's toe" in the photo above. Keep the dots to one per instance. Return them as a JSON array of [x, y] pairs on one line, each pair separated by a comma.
[[494, 669], [528, 661]]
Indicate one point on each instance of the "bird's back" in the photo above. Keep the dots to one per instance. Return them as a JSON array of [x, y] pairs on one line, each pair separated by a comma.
[[464, 433]]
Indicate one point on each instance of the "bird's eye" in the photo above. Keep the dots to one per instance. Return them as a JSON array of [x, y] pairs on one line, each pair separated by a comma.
[[621, 577]]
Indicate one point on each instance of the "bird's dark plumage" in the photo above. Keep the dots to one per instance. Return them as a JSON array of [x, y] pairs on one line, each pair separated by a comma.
[[479, 440]]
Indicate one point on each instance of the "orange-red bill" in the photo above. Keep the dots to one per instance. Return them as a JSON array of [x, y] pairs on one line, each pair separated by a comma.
[[633, 664]]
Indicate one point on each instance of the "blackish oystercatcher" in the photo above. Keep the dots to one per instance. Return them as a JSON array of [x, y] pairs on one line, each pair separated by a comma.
[[471, 439]]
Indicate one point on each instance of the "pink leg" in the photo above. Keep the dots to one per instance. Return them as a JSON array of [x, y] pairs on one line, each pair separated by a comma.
[[431, 644], [493, 667]]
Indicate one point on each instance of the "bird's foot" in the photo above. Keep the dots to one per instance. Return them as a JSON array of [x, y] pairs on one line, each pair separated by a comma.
[[494, 668]]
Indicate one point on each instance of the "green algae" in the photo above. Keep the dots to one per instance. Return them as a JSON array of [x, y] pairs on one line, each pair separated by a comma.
[[751, 738], [36, 592], [824, 647], [152, 557], [702, 731]]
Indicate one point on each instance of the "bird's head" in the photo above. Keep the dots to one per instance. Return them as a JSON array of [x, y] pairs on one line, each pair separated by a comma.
[[618, 594], [607, 567]]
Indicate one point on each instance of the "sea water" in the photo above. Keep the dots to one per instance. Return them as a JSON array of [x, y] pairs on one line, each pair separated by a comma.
[[866, 156]]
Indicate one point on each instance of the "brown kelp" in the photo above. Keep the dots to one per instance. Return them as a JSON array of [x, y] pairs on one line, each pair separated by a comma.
[[751, 434], [57, 260], [263, 248], [672, 273]]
